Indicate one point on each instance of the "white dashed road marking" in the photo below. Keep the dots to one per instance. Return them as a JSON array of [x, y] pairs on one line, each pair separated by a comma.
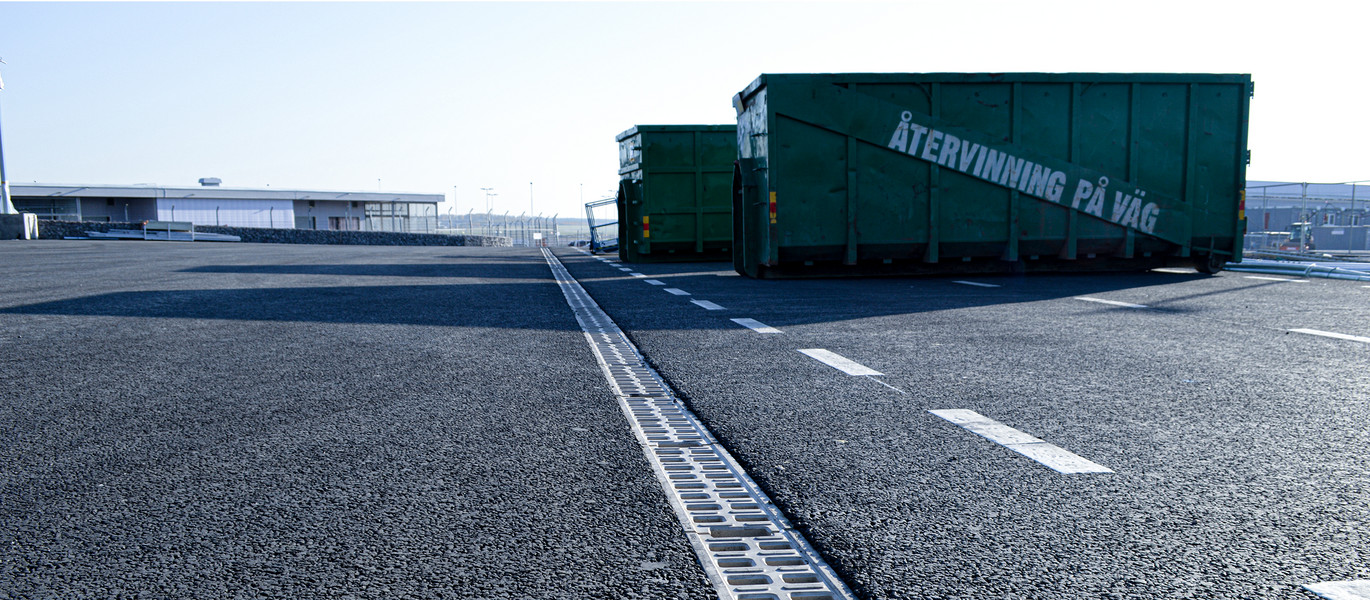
[[1329, 334], [655, 282], [637, 274], [1264, 278], [625, 268], [706, 305], [977, 284], [1341, 590], [755, 325], [1110, 302], [677, 291], [1054, 457], [839, 362], [1176, 271]]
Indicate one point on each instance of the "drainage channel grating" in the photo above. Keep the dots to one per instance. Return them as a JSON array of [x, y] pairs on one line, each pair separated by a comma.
[[748, 548]]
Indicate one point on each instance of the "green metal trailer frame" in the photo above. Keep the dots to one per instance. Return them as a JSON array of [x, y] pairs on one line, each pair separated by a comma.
[[855, 174], [675, 192]]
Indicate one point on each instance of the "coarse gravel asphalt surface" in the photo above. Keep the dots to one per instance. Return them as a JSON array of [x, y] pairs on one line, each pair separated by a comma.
[[271, 421], [195, 420], [1238, 447]]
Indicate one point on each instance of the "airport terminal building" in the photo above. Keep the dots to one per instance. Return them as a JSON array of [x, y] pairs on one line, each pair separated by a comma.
[[210, 204]]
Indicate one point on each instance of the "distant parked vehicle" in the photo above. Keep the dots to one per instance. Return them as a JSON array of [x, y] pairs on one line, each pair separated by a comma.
[[579, 243]]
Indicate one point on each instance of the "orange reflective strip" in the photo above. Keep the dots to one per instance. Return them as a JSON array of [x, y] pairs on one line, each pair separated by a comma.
[[772, 208]]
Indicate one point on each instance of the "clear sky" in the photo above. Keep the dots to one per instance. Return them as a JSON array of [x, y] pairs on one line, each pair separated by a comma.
[[452, 97]]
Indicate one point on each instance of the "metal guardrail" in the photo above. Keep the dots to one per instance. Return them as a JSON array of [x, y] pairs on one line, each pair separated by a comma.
[[602, 216], [1356, 271], [1302, 256]]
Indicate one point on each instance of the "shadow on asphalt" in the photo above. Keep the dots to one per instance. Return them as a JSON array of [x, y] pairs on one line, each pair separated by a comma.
[[807, 301], [524, 269], [495, 305], [537, 304]]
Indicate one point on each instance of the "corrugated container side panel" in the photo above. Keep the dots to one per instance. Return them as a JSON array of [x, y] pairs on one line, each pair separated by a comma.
[[1218, 134], [1161, 149], [1180, 136], [809, 189], [718, 148], [885, 174], [683, 191], [1043, 117], [962, 225], [900, 230]]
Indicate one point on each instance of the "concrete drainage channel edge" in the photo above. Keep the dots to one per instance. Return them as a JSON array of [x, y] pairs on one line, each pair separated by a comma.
[[747, 548]]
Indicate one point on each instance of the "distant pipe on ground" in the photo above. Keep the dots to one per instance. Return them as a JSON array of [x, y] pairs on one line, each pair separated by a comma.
[[1346, 271]]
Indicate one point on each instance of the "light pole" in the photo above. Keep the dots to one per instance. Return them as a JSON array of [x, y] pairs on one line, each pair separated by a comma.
[[530, 197], [487, 191], [5, 206]]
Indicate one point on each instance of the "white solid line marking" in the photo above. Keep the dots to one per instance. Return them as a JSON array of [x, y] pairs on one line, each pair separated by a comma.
[[991, 285], [655, 281], [1340, 336], [1276, 279], [839, 362], [637, 274], [754, 325], [1341, 590], [677, 291], [1056, 458], [1110, 302], [706, 305]]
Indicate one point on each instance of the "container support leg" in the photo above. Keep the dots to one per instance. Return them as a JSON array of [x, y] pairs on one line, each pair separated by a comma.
[[1070, 250], [930, 256], [851, 202], [699, 192], [1011, 251]]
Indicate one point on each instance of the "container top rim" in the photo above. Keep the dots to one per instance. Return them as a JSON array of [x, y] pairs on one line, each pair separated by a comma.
[[1004, 77], [661, 128]]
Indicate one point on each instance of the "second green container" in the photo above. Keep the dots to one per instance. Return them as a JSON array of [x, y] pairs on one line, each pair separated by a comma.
[[675, 192]]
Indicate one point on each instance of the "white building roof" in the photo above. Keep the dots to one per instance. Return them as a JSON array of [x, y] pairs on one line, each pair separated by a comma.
[[207, 192]]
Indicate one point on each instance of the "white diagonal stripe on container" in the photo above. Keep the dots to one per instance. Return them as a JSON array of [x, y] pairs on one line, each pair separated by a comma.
[[839, 362], [755, 325], [1056, 458], [747, 548], [1341, 590]]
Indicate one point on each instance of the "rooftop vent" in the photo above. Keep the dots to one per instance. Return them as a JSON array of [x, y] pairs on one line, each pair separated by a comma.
[[210, 181]]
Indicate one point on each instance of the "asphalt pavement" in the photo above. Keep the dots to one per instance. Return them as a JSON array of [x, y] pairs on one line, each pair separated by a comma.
[[195, 420], [1237, 445]]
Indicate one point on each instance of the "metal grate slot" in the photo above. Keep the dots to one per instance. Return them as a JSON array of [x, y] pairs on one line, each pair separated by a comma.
[[748, 549]]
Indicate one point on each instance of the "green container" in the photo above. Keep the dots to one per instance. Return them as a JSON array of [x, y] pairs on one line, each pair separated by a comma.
[[675, 192], [855, 174]]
